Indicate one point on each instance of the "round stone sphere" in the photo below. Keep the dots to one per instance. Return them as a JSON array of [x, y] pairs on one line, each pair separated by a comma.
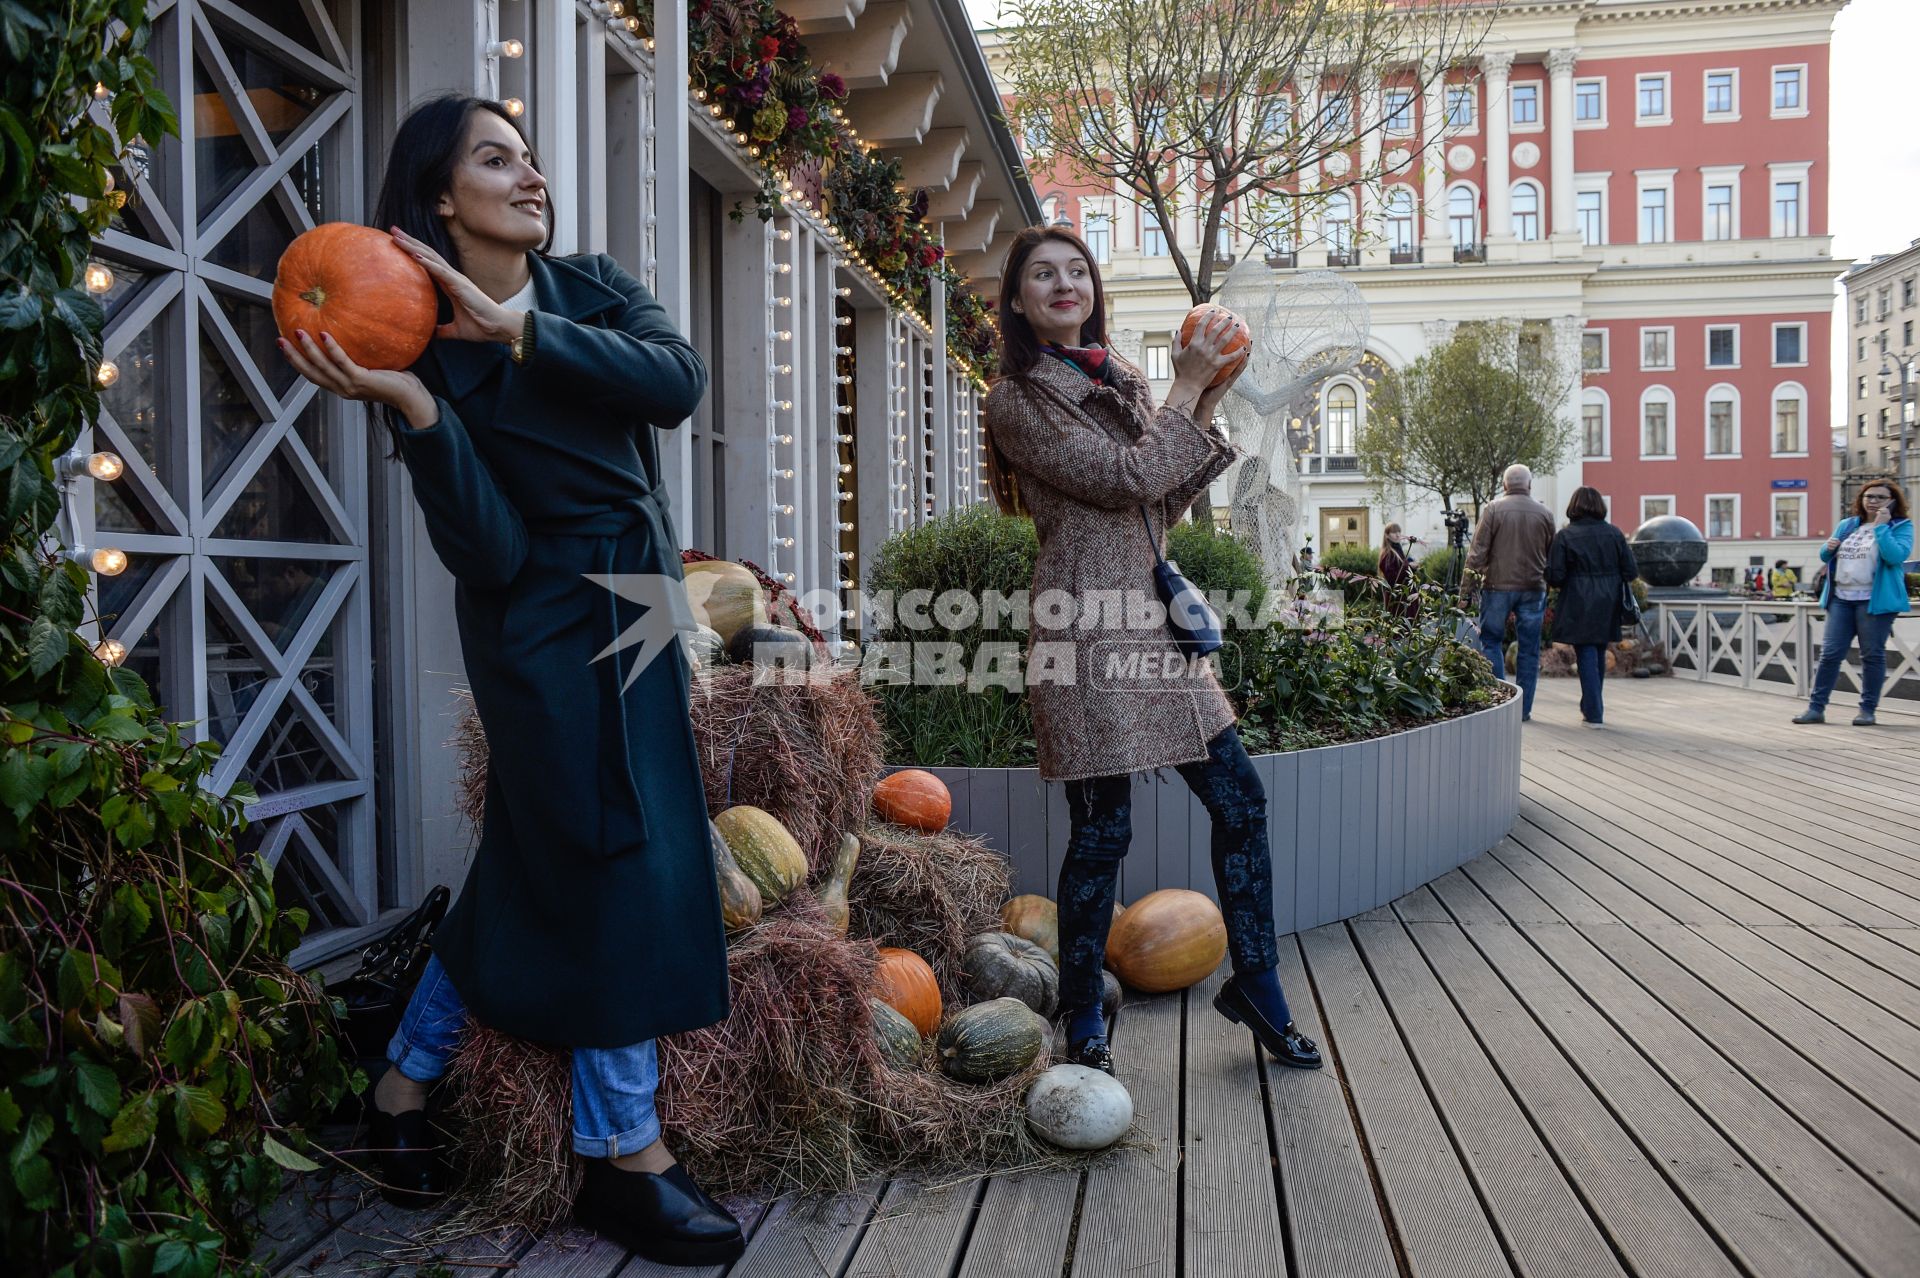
[[1670, 550]]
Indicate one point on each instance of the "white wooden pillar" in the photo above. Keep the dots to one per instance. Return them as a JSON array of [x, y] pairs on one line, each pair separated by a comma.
[[1497, 67], [745, 264], [1566, 235], [1433, 166], [671, 219]]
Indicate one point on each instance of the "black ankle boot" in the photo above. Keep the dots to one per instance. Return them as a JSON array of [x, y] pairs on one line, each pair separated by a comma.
[[664, 1217], [1288, 1045], [408, 1157]]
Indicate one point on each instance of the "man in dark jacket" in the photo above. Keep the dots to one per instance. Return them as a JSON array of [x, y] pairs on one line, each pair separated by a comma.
[[1508, 562]]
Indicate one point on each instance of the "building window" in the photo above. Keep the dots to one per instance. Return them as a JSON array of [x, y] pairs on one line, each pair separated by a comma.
[[1860, 308], [1400, 219], [1656, 424], [1462, 106], [1723, 346], [1159, 362], [1590, 102], [1789, 344], [1789, 515], [1526, 211], [1033, 135], [1723, 422], [1655, 508], [1789, 419], [1885, 298], [1336, 110], [1860, 387], [1342, 413], [1720, 95], [1593, 351], [1720, 221], [1588, 210], [1593, 426], [1650, 99], [1723, 516], [1789, 97], [1153, 122], [1653, 215], [1656, 348], [1337, 225], [1153, 238], [1906, 292], [1399, 109], [1786, 209], [1463, 217], [1906, 333], [1861, 429], [1099, 236], [1276, 113], [1525, 100]]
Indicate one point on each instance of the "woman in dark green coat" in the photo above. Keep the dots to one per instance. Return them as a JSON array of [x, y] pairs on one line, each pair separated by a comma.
[[590, 918]]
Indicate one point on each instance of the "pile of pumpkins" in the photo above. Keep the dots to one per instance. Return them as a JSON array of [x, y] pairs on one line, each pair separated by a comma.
[[733, 622]]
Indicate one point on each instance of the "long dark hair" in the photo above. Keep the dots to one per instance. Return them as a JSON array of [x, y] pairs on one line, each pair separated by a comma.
[[1020, 347], [420, 165]]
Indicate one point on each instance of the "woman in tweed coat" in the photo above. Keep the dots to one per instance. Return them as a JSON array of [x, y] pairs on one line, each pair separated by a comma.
[[1077, 443]]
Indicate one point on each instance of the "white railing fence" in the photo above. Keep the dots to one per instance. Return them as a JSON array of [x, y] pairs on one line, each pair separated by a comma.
[[1773, 646]]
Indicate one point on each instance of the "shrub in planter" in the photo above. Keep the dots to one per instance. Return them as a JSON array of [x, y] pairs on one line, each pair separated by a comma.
[[1362, 561], [1436, 568], [1222, 565], [157, 1055]]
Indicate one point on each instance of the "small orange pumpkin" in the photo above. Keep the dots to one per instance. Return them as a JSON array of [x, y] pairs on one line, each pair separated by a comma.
[[904, 982], [1237, 339], [357, 284], [914, 798], [1167, 940]]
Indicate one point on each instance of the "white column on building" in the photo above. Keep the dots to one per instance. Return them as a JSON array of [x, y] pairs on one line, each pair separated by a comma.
[[1371, 225], [1560, 144], [1566, 351], [1496, 67], [673, 224], [1433, 164]]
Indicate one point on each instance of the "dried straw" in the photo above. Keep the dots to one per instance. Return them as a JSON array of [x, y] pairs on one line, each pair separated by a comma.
[[807, 752], [512, 1102], [927, 893]]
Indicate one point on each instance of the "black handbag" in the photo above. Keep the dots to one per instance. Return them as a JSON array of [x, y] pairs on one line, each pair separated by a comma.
[[1629, 606], [376, 994], [1195, 628]]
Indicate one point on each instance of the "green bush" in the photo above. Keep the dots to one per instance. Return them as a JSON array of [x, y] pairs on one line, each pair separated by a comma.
[[1220, 564], [1436, 569], [157, 1055], [1358, 560]]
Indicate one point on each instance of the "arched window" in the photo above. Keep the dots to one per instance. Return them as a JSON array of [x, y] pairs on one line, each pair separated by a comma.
[[1723, 421], [1336, 224], [1596, 425], [1526, 211], [1399, 206], [1342, 417], [1789, 419], [1656, 422], [1463, 218]]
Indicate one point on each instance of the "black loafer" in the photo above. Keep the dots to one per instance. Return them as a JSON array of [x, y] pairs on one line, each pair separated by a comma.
[[1093, 1052], [663, 1217], [1287, 1044], [408, 1158]]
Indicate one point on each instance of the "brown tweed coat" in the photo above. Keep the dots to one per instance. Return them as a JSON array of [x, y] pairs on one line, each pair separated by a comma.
[[1086, 457]]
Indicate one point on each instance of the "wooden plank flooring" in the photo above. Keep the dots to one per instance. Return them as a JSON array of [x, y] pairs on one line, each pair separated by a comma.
[[1668, 1027]]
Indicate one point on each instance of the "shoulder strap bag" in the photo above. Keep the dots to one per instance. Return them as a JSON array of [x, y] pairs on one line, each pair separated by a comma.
[[1195, 628]]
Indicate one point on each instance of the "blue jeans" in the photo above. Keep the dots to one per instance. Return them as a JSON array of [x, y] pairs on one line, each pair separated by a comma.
[[1593, 677], [612, 1086], [1528, 607], [1848, 619]]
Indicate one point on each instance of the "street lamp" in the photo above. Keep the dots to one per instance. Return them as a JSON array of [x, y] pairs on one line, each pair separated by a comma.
[[1902, 366]]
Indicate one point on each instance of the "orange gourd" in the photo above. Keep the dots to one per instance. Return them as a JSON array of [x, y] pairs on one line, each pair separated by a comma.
[[914, 798], [904, 982], [357, 284], [1167, 940], [1237, 340]]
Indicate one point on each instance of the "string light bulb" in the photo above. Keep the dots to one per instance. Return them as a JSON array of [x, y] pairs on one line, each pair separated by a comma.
[[106, 466], [101, 91], [110, 651], [99, 277], [505, 49], [108, 561], [515, 107], [108, 374]]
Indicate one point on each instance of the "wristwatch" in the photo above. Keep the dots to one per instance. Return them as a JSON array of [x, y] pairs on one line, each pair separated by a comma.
[[521, 347]]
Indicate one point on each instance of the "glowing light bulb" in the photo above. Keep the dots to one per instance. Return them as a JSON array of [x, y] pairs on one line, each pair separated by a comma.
[[110, 651], [109, 562], [515, 107], [99, 277], [108, 374], [505, 49], [106, 466], [101, 91]]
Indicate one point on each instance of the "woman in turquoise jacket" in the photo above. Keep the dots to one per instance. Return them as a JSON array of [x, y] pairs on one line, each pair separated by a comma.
[[1866, 588], [590, 917]]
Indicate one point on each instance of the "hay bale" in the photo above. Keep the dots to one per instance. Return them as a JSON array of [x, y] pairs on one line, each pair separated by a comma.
[[808, 752], [927, 893], [513, 1135]]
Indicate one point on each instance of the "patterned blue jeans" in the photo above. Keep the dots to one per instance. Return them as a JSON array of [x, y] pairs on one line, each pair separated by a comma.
[[1102, 812]]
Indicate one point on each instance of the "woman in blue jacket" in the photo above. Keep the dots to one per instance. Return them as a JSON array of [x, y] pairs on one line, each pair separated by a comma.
[[1866, 588], [590, 917]]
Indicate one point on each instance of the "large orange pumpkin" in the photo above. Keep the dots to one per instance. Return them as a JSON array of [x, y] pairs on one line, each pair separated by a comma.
[[357, 284], [1236, 340], [904, 982], [1167, 940], [914, 798]]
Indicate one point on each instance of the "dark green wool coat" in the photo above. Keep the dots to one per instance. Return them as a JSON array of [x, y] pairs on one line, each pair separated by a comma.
[[590, 916]]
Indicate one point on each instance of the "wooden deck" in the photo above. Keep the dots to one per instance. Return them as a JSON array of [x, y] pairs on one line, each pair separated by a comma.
[[1669, 1027]]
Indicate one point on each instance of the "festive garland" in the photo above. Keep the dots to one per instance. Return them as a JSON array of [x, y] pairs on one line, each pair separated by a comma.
[[745, 58]]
